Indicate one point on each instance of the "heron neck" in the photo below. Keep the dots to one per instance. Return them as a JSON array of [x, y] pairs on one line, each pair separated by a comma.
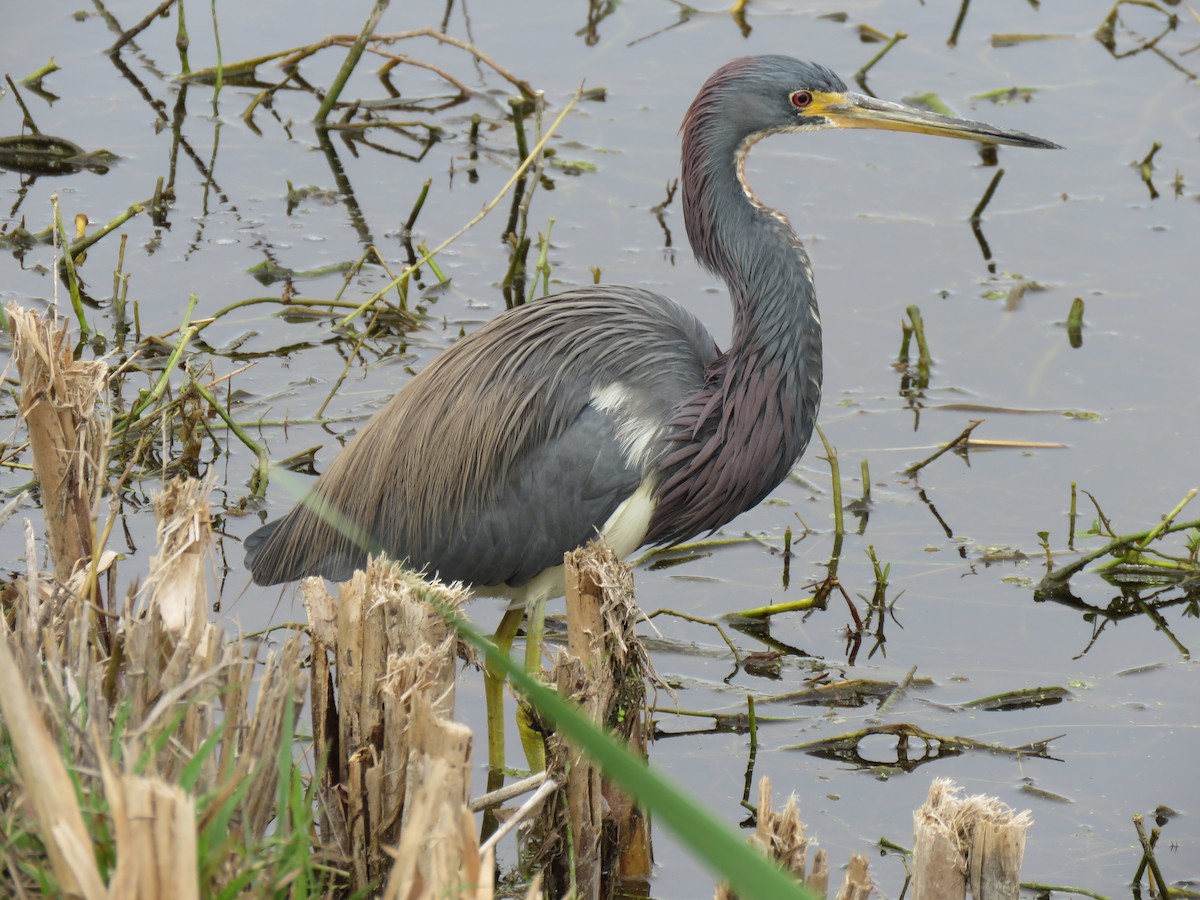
[[762, 261]]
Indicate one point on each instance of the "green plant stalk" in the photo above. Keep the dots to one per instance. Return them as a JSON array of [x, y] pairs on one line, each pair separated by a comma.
[[518, 115], [861, 74], [36, 76], [1159, 883], [765, 612], [433, 266], [1071, 520], [839, 522], [220, 60], [83, 243], [710, 840], [420, 202], [906, 334], [258, 484], [182, 41], [1061, 576], [68, 262], [865, 469], [160, 386], [352, 58], [752, 716], [543, 264], [1154, 533], [1075, 315], [924, 357]]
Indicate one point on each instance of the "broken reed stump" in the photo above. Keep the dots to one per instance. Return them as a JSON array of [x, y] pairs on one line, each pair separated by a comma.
[[781, 836], [962, 843], [59, 399], [383, 670], [102, 741], [598, 836]]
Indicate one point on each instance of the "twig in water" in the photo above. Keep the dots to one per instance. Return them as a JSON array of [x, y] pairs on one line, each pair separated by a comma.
[[1071, 521], [861, 75], [977, 213], [958, 441], [130, 33]]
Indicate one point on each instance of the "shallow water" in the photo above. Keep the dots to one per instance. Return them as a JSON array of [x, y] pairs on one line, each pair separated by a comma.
[[885, 217]]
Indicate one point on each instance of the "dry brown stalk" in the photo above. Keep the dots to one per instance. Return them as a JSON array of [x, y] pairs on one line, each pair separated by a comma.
[[383, 720], [858, 884], [155, 825], [59, 397], [605, 669], [781, 835], [46, 783], [960, 842], [151, 706], [177, 585]]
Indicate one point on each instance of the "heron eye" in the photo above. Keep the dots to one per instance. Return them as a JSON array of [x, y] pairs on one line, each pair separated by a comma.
[[801, 99]]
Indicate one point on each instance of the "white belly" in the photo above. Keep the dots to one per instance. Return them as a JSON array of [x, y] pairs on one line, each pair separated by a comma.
[[624, 531]]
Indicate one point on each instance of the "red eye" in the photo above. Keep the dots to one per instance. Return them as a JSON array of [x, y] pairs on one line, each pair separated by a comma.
[[801, 99]]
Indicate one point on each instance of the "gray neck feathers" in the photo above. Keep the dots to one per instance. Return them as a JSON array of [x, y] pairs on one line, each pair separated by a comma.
[[737, 439]]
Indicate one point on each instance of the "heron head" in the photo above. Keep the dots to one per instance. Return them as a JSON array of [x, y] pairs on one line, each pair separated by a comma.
[[760, 95]]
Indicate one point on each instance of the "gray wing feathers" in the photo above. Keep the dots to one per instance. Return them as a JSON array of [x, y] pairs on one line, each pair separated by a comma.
[[493, 461]]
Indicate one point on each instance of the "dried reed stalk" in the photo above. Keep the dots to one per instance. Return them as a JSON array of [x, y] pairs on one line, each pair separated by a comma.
[[966, 842], [45, 781], [381, 711], [59, 398], [781, 835], [177, 584], [605, 669], [128, 724]]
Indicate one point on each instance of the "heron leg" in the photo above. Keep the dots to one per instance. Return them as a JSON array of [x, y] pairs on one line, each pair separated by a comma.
[[493, 691], [532, 740]]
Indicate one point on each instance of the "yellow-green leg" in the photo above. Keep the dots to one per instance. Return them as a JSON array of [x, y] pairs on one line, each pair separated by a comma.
[[531, 740], [493, 690]]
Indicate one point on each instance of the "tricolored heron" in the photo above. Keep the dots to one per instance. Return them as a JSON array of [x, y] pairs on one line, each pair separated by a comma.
[[606, 409]]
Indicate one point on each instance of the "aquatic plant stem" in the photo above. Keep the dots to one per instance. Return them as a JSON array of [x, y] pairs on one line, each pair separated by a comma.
[[68, 263], [220, 61], [258, 482], [839, 522], [83, 243], [1060, 577], [977, 213], [160, 386], [861, 75], [961, 440], [352, 58]]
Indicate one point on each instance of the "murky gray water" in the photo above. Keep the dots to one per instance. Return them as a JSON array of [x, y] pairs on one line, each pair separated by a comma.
[[885, 218]]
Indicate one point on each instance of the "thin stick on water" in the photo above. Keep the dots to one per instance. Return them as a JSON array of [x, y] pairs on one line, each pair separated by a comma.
[[977, 213], [959, 441]]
